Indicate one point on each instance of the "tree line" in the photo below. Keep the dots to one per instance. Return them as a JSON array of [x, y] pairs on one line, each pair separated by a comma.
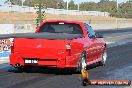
[[124, 9]]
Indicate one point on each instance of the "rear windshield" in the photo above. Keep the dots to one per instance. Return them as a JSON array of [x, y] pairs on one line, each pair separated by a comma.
[[68, 28]]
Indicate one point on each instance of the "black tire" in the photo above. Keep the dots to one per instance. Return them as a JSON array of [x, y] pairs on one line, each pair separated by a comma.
[[24, 69], [82, 62], [19, 69], [27, 69]]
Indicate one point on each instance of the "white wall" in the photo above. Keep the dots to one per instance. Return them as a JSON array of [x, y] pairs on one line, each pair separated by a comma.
[[6, 28], [23, 28], [15, 28]]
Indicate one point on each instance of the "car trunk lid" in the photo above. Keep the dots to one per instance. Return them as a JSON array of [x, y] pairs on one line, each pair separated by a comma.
[[40, 48]]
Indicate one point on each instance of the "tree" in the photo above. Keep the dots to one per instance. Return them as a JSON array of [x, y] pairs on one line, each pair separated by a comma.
[[14, 2], [108, 6], [50, 3], [54, 3], [61, 4], [88, 6], [126, 10], [29, 3], [72, 5]]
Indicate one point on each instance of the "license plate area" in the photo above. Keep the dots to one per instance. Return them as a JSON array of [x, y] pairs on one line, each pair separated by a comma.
[[31, 61]]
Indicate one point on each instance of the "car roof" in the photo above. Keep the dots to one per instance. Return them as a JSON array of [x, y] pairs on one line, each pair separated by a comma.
[[65, 21]]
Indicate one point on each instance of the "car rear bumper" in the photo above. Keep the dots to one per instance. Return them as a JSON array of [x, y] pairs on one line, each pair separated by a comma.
[[65, 62]]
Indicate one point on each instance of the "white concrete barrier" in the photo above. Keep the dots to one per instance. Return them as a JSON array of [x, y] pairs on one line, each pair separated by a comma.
[[23, 28], [15, 28], [6, 28]]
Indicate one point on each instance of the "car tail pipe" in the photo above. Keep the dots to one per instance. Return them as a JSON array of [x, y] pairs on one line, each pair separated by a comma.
[[17, 65]]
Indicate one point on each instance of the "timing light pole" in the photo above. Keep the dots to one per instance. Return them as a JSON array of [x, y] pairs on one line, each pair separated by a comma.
[[78, 6], [117, 14], [40, 14], [40, 7], [22, 2], [67, 6]]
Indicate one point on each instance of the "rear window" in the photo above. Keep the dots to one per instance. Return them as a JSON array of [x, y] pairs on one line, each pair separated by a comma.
[[68, 28]]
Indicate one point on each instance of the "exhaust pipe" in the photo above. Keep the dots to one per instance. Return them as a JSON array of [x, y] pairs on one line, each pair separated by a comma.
[[17, 65]]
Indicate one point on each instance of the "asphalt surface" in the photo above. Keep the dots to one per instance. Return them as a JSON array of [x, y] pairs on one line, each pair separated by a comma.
[[118, 66]]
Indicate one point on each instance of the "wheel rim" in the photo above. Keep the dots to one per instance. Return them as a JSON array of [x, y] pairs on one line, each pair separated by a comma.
[[104, 57], [83, 62]]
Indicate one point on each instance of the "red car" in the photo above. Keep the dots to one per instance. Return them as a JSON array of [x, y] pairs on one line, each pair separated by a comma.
[[60, 44]]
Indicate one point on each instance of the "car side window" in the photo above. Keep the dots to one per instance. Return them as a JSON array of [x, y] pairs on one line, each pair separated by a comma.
[[90, 31]]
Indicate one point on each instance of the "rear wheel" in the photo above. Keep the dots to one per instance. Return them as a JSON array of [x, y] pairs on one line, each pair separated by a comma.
[[82, 62], [24, 68], [104, 57], [19, 69]]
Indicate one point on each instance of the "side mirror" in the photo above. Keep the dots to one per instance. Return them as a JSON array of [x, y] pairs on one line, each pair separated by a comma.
[[99, 35], [92, 36]]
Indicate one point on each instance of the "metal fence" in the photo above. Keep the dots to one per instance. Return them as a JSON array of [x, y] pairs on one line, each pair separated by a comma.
[[23, 9]]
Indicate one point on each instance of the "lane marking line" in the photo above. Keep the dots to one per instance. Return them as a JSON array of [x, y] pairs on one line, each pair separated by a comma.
[[117, 36]]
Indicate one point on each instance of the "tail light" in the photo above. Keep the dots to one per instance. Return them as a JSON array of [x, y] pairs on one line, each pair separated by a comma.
[[12, 47], [68, 49]]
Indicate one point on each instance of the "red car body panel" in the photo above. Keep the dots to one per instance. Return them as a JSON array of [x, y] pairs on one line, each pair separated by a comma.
[[53, 53]]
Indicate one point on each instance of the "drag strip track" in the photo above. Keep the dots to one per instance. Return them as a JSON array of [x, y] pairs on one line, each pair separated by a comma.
[[118, 66], [116, 30], [118, 63]]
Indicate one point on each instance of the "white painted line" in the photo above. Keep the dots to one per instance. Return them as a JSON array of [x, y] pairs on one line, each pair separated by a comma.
[[110, 42], [117, 36]]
